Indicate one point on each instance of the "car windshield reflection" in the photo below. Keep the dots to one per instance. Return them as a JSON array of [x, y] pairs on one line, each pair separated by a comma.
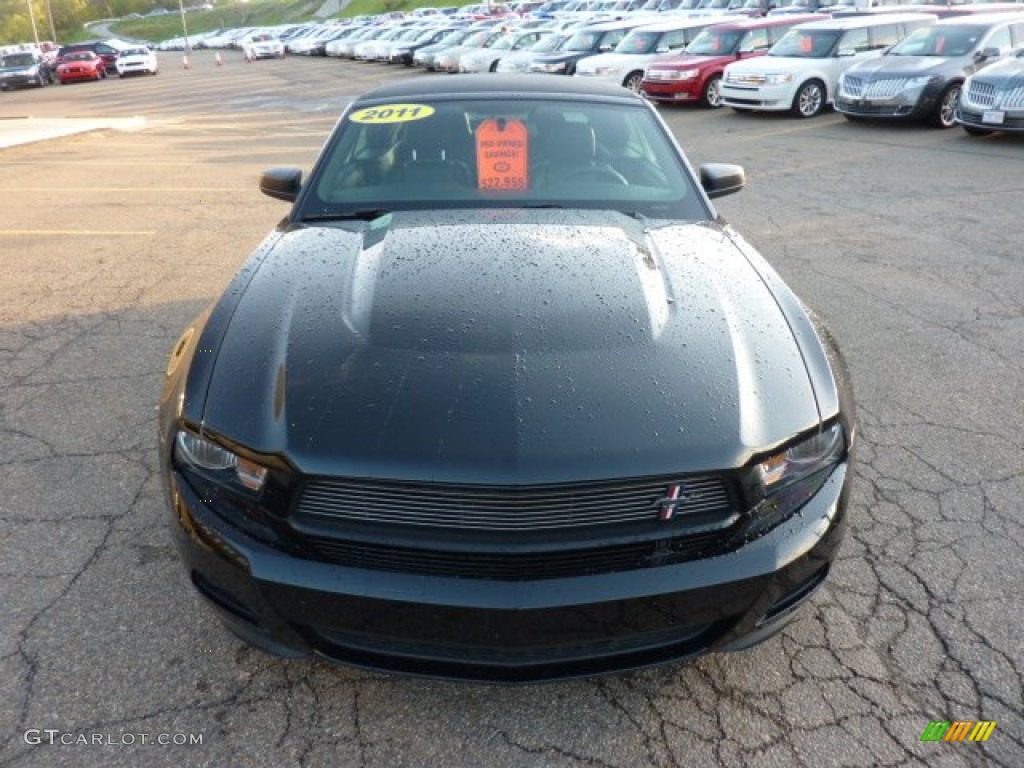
[[483, 154]]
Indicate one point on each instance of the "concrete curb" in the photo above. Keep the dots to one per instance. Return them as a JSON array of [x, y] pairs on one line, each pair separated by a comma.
[[15, 131]]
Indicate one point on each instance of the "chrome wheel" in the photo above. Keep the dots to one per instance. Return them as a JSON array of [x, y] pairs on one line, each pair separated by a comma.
[[947, 107], [633, 81], [810, 99], [713, 92]]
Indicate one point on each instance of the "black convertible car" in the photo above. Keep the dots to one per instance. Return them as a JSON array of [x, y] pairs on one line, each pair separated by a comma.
[[503, 398]]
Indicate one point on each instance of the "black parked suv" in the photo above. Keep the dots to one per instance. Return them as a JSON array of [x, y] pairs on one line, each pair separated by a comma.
[[921, 77], [106, 52]]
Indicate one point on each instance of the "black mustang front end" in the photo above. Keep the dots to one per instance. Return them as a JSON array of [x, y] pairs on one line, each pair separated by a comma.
[[500, 400]]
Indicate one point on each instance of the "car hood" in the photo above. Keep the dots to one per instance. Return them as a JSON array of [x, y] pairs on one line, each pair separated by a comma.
[[690, 62], [555, 58], [1009, 73], [908, 66], [620, 60], [780, 64], [507, 346]]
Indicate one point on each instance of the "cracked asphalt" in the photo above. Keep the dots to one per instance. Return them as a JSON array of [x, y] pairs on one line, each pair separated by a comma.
[[906, 239]]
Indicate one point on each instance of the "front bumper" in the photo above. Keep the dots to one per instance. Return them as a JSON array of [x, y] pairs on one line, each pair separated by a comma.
[[1012, 122], [895, 108], [18, 80], [770, 98], [672, 90], [135, 69], [501, 630], [67, 77]]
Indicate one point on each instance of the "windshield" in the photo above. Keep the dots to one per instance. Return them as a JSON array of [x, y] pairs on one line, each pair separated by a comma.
[[715, 42], [78, 57], [135, 52], [956, 40], [584, 40], [18, 60], [424, 154], [806, 44], [456, 37], [507, 42], [638, 41], [477, 39], [548, 43]]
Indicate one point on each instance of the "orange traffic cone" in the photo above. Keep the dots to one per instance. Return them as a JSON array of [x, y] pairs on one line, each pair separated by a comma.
[[219, 60], [184, 60]]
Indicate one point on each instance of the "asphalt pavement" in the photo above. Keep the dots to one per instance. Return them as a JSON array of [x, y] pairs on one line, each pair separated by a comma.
[[905, 239]]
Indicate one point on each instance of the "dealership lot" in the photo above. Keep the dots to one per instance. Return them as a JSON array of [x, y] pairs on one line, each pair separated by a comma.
[[906, 239]]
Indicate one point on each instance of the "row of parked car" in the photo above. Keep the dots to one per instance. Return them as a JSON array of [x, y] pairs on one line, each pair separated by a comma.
[[880, 63], [71, 63]]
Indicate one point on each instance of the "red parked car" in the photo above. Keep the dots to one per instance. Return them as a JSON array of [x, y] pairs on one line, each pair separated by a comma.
[[696, 73], [81, 65]]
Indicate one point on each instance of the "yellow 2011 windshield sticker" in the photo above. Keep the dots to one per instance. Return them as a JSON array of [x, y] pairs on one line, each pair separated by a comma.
[[391, 113]]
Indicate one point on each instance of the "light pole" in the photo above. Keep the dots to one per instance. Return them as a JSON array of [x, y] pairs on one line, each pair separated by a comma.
[[53, 29], [184, 26], [32, 18]]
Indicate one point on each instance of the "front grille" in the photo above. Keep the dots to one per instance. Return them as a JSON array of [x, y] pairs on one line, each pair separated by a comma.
[[853, 86], [888, 110], [884, 89], [520, 566], [981, 94], [513, 509], [1014, 99], [740, 79]]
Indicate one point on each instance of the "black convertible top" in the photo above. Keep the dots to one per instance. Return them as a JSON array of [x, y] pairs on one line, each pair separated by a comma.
[[501, 86]]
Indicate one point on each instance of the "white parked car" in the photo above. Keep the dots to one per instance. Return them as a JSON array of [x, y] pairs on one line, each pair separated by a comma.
[[487, 59], [519, 61], [801, 71], [137, 61], [262, 45], [625, 65]]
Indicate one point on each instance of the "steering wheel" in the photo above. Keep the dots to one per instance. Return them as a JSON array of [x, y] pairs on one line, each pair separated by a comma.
[[598, 174]]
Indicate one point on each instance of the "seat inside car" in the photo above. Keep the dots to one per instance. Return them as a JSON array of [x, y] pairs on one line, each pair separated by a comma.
[[438, 150]]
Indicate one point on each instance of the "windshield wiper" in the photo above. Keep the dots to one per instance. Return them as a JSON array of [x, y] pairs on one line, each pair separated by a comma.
[[363, 214]]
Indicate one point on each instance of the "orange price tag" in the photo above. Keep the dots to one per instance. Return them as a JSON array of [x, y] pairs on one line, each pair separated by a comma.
[[502, 155], [806, 45]]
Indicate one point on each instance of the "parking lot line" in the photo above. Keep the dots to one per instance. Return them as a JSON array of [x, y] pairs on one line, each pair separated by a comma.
[[76, 232], [133, 190]]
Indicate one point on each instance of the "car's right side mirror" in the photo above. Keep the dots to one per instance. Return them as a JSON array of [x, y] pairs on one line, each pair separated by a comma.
[[721, 179]]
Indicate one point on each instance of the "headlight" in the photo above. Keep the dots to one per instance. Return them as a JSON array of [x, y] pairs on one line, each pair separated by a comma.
[[778, 78], [917, 83], [33, 71], [218, 462], [605, 71], [783, 483], [555, 66], [685, 74]]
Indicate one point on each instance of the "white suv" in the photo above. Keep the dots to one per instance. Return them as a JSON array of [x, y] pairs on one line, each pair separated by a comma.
[[801, 71]]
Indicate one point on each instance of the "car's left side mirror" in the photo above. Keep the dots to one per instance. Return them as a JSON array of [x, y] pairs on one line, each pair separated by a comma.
[[281, 183], [988, 53], [721, 179]]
